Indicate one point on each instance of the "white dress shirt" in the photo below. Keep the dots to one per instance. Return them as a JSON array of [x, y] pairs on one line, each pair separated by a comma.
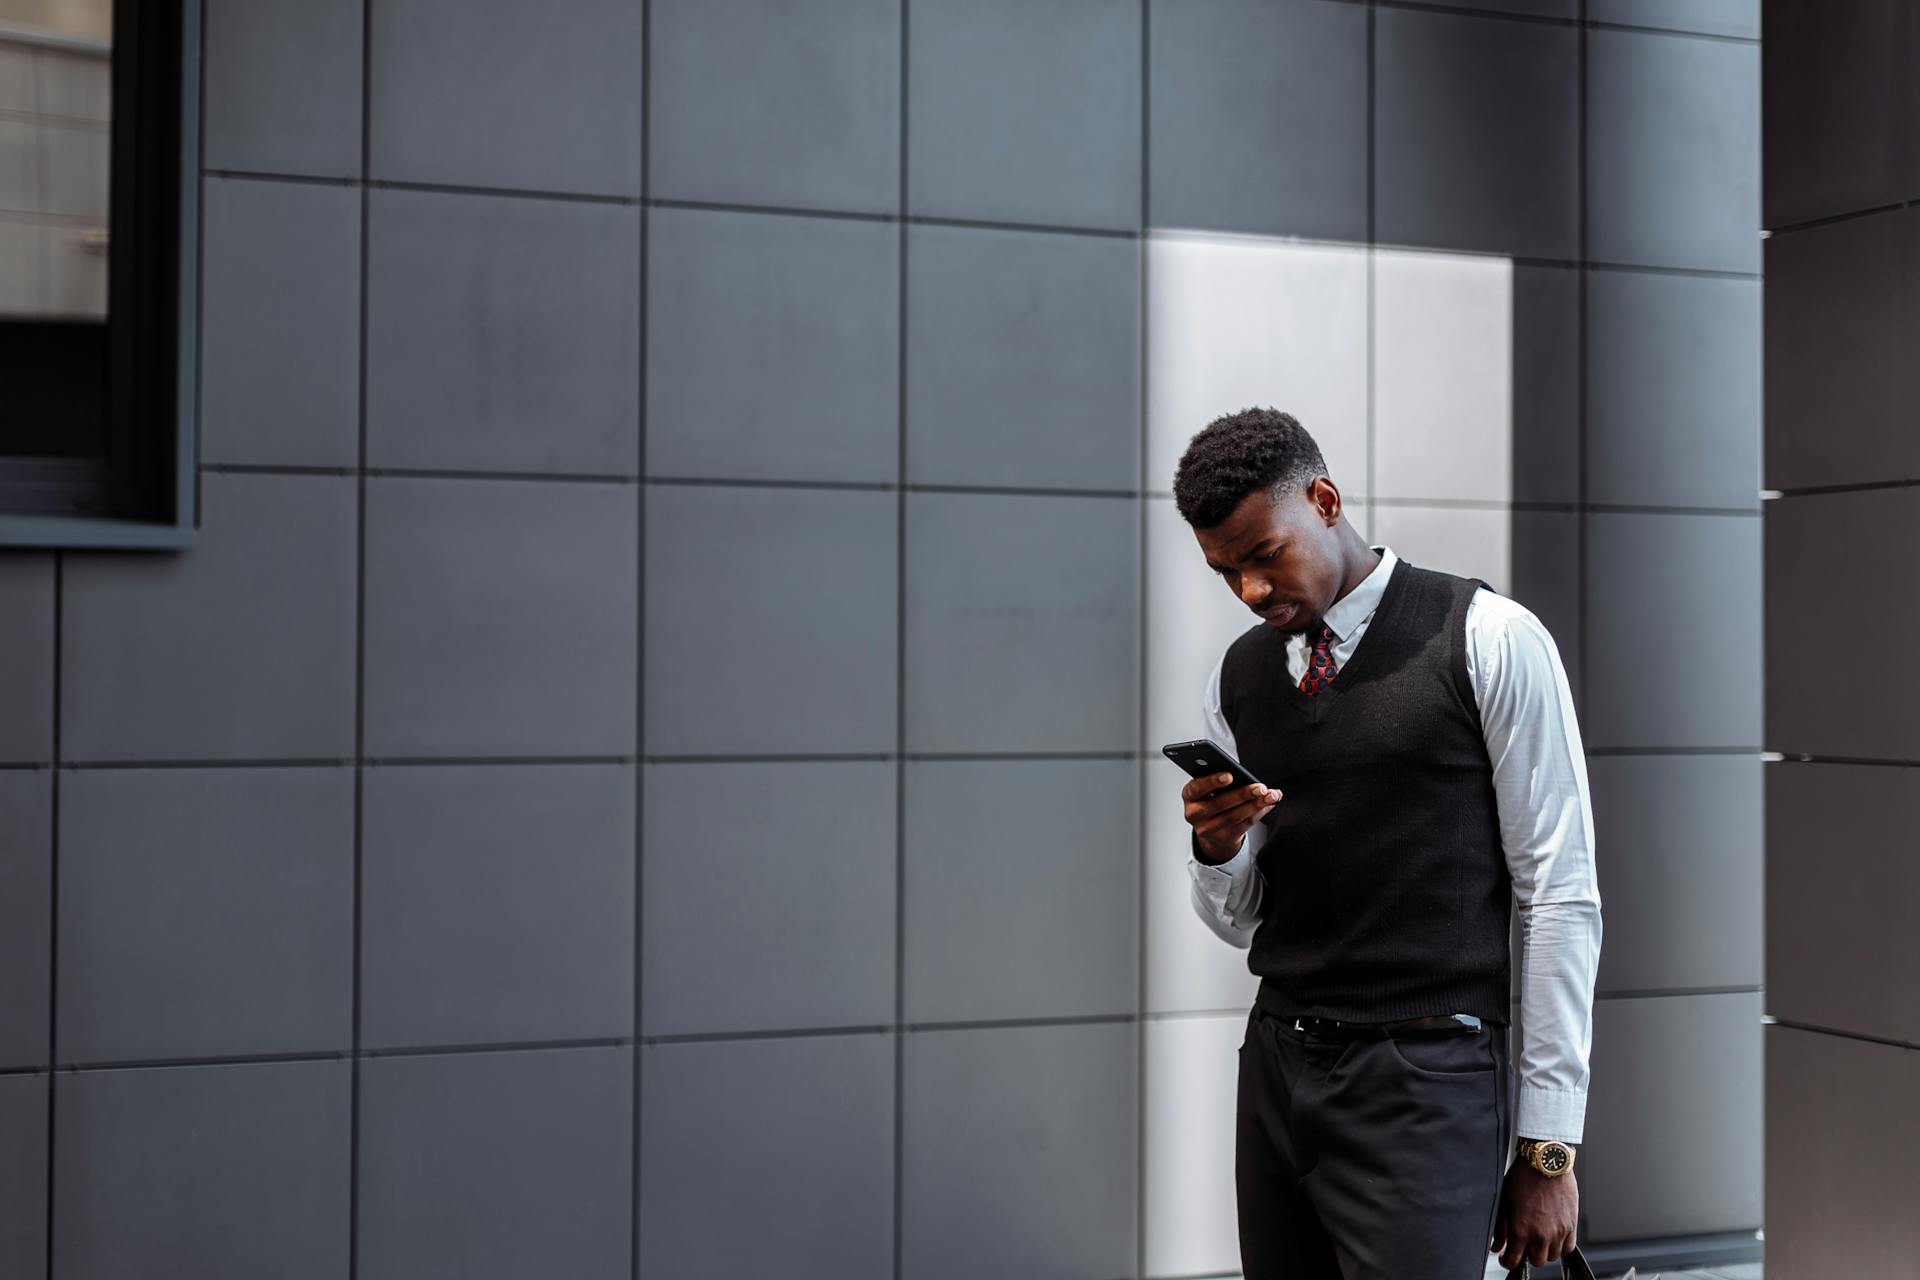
[[1546, 828]]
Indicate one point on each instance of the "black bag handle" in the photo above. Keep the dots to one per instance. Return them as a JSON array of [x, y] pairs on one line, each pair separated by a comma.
[[1573, 1265]]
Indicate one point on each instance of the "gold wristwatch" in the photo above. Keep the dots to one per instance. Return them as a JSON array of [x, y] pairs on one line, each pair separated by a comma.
[[1549, 1158]]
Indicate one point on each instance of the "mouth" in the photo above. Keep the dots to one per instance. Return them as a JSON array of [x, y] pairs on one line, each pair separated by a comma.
[[1280, 613]]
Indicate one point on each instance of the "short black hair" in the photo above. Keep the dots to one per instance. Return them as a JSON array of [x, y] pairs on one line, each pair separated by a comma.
[[1234, 455]]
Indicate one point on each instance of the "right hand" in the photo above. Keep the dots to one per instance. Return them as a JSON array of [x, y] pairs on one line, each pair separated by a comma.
[[1221, 816]]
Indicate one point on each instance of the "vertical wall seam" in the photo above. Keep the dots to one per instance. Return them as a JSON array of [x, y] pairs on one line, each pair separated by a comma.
[[52, 851], [640, 647], [360, 652], [900, 676], [1143, 837]]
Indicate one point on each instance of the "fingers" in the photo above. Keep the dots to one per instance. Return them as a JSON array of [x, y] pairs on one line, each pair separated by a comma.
[[1227, 824]]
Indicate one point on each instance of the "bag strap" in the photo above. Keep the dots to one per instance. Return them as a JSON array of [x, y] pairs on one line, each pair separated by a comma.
[[1573, 1265]]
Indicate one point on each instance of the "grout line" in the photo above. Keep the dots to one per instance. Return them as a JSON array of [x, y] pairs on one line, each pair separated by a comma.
[[1580, 538], [360, 657], [1142, 1071], [1864, 486], [905, 125], [1815, 1029], [1654, 993], [635, 969], [53, 889]]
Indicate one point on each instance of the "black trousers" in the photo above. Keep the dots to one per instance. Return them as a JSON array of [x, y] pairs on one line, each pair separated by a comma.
[[1377, 1158]]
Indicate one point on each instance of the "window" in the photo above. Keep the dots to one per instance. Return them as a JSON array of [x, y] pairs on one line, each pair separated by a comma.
[[98, 152]]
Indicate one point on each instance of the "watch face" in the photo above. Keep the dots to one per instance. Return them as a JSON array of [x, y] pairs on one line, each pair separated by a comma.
[[1553, 1158]]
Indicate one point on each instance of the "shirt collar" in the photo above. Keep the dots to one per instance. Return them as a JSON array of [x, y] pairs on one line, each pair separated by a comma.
[[1355, 607]]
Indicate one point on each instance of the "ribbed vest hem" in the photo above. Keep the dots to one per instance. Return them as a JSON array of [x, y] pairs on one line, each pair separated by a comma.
[[1488, 1001]]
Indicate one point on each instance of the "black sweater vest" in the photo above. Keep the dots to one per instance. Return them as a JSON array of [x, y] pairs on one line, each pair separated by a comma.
[[1387, 894]]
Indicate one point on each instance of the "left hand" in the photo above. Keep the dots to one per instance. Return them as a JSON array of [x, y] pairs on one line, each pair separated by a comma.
[[1537, 1216]]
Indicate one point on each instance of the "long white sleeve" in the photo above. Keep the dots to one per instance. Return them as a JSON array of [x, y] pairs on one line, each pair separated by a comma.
[[1546, 826], [1226, 896]]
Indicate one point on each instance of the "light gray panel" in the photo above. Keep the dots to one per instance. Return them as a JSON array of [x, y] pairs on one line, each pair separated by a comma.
[[804, 860], [1840, 129], [246, 645], [774, 349], [1842, 883], [23, 1175], [205, 913], [1259, 117], [1546, 579], [484, 1165], [1822, 549], [1524, 8], [1021, 1153], [1673, 630], [1673, 390], [505, 94], [501, 333], [1843, 1130], [282, 85], [766, 102], [1025, 113], [1024, 351], [237, 1170], [500, 618], [497, 904], [1673, 151], [280, 324], [1546, 399], [1738, 18], [794, 1136], [1840, 330], [1670, 1074], [1677, 841], [26, 656], [1476, 127], [1019, 905], [26, 903], [1022, 623], [771, 617]]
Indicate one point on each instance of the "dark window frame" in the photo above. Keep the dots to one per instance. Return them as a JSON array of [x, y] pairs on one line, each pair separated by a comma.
[[144, 492]]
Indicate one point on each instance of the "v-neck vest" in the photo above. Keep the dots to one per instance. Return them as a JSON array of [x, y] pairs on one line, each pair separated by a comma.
[[1387, 894]]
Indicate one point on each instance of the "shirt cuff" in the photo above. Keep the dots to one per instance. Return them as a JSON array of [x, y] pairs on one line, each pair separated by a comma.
[[1216, 879], [1545, 1114]]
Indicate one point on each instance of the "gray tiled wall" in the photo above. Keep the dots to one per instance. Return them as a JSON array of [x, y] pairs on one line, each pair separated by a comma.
[[658, 732], [1843, 789]]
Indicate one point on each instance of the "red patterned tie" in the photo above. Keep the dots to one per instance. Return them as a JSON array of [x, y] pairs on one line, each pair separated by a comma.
[[1320, 669]]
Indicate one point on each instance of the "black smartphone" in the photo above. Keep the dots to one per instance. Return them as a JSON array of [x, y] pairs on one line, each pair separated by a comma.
[[1205, 756]]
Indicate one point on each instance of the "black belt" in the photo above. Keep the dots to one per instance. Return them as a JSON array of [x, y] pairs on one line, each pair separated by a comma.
[[1334, 1029]]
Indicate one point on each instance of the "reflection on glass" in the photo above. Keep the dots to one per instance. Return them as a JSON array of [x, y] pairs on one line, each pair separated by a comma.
[[55, 134]]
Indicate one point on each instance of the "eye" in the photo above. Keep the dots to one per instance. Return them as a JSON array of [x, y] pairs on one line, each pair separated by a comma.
[[1271, 555]]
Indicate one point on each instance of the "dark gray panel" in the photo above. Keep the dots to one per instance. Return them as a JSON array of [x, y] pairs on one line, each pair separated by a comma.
[[497, 1164], [1025, 357], [1840, 329], [205, 913], [764, 102], [501, 333], [1546, 384], [500, 617], [280, 324], [770, 620], [26, 656], [23, 1175], [1525, 8], [497, 904], [1672, 1073], [1025, 113], [1678, 846], [203, 1171], [792, 1136], [543, 96], [1673, 151], [1021, 618], [26, 903], [1842, 882], [1259, 117], [1843, 1133], [1546, 579], [775, 349], [282, 85], [1017, 905], [246, 645], [1673, 390], [1021, 1153], [1652, 582], [804, 859], [1840, 128], [1847, 547], [1476, 127], [1737, 18]]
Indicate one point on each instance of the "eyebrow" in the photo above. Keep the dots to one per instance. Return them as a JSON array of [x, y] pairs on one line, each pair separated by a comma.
[[1221, 568]]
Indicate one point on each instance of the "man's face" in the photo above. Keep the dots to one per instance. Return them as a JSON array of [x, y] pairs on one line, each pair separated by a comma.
[[1280, 555]]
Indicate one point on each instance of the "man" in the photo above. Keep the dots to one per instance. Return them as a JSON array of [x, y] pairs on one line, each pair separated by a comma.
[[1421, 772]]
